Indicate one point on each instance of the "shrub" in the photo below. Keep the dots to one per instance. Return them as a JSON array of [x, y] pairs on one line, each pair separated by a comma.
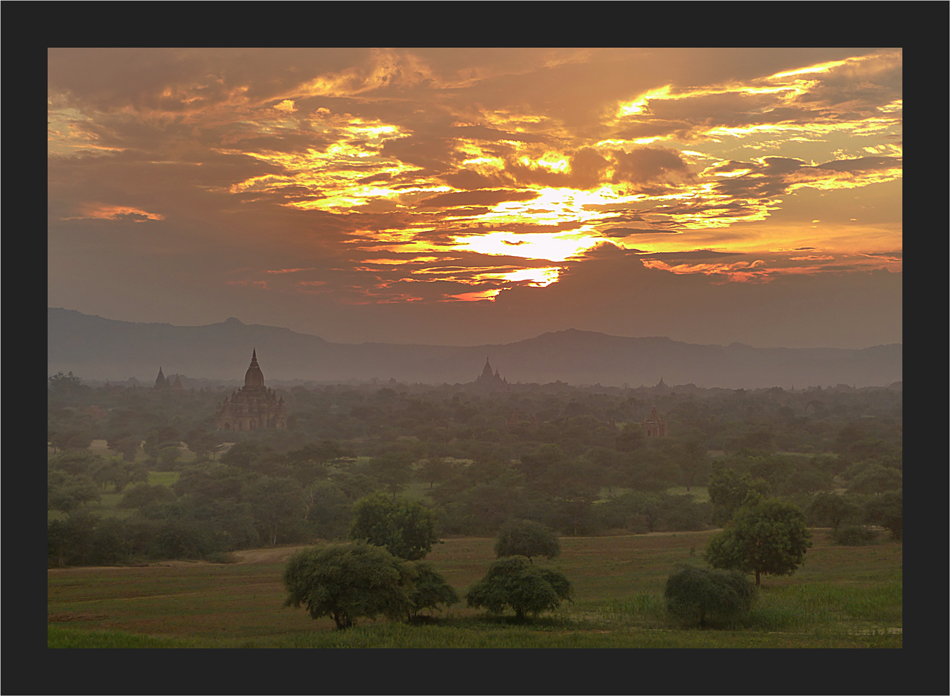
[[706, 596], [516, 583], [853, 535]]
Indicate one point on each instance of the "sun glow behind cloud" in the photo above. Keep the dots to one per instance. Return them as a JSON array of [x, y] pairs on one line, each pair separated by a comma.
[[392, 155]]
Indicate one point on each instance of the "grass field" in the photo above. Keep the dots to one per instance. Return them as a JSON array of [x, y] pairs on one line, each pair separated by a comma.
[[844, 596]]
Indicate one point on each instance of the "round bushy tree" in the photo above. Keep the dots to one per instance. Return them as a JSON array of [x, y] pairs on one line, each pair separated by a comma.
[[768, 536], [514, 582], [346, 582], [526, 538], [429, 589], [405, 528], [707, 596]]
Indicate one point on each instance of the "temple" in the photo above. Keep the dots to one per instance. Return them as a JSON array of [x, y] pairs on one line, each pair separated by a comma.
[[490, 379], [654, 426], [254, 406], [163, 382]]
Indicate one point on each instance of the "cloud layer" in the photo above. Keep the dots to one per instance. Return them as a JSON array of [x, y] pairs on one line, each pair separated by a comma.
[[451, 194]]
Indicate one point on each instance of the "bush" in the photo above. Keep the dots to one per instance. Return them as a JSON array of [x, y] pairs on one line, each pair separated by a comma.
[[853, 535], [516, 583], [705, 597]]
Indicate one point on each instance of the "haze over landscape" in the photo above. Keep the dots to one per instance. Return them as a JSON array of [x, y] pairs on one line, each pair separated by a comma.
[[482, 196]]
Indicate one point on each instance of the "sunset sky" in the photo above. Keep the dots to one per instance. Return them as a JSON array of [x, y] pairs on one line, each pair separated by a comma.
[[470, 196]]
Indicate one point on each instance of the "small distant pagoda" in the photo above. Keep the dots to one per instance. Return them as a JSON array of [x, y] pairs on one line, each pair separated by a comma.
[[654, 426], [162, 382], [254, 406], [490, 379]]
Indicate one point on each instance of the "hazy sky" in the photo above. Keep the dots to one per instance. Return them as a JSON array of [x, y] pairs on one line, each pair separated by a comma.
[[468, 196]]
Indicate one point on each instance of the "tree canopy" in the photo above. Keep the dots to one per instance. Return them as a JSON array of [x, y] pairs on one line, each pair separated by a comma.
[[514, 582], [405, 528], [705, 595], [346, 582], [768, 536], [526, 538]]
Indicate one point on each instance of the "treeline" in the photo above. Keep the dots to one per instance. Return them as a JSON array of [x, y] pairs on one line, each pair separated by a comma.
[[574, 460]]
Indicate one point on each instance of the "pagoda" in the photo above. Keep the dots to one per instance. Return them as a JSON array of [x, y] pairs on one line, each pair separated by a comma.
[[254, 406]]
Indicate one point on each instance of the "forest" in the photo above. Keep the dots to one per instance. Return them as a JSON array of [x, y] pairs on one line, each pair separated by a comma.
[[136, 474]]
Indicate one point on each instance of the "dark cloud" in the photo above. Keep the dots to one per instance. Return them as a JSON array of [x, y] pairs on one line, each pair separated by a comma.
[[627, 231], [650, 165], [586, 168], [692, 255], [860, 164], [468, 179], [465, 198]]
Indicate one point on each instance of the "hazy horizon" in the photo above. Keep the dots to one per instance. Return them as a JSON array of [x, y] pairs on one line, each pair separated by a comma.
[[462, 197]]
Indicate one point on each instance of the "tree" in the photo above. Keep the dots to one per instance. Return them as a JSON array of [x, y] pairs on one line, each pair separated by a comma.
[[429, 589], [728, 490], [403, 527], [887, 510], [277, 504], [704, 595], [346, 582], [126, 444], [524, 587], [526, 538], [694, 462], [68, 493], [831, 509], [768, 536]]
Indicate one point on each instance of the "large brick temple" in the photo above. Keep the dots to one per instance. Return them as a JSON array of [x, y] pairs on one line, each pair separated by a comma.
[[254, 406]]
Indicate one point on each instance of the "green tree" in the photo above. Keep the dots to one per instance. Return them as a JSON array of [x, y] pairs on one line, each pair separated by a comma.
[[706, 596], [887, 510], [405, 528], [514, 582], [277, 504], [831, 509], [346, 582], [142, 495], [65, 386], [768, 536], [126, 444], [728, 489], [876, 479], [694, 462], [68, 493], [526, 538], [429, 589], [393, 469]]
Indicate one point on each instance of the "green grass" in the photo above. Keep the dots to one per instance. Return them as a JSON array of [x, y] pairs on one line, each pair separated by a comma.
[[163, 478], [699, 493], [841, 597]]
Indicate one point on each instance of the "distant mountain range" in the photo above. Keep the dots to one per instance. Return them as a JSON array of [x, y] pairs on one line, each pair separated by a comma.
[[94, 348]]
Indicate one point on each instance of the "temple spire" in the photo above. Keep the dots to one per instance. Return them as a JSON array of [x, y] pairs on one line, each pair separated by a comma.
[[254, 378]]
